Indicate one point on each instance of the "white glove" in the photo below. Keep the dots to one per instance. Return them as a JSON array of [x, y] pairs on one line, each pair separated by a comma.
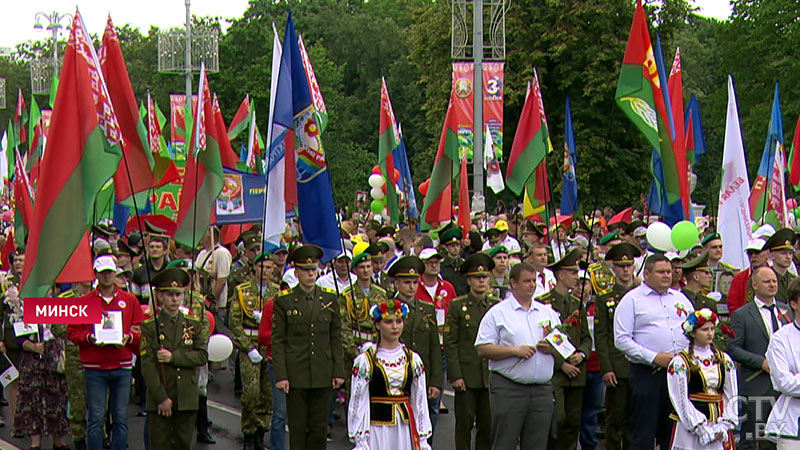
[[257, 315], [255, 356]]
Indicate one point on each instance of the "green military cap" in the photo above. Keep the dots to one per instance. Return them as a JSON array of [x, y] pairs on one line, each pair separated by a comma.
[[102, 231], [492, 252], [156, 232], [567, 262], [361, 257], [608, 237], [387, 230], [185, 264], [123, 247], [281, 249], [710, 237], [617, 226], [378, 248], [478, 264], [306, 256], [783, 239], [699, 263], [492, 232], [534, 227], [267, 255], [450, 236], [623, 254], [406, 267], [581, 226], [251, 241], [171, 279], [633, 226]]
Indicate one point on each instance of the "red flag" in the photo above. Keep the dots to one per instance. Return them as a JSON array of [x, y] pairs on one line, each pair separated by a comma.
[[79, 267], [794, 164], [23, 193], [8, 247], [135, 172], [20, 118], [227, 155], [463, 200], [675, 86], [437, 206], [240, 119]]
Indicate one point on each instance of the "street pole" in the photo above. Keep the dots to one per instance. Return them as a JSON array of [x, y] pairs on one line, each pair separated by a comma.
[[188, 56], [477, 98]]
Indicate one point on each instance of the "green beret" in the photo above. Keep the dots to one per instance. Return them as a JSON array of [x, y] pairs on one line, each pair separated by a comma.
[[710, 237], [608, 237], [361, 257], [497, 249]]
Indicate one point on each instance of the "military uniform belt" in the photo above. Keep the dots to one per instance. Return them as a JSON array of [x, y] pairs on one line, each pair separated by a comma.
[[251, 331]]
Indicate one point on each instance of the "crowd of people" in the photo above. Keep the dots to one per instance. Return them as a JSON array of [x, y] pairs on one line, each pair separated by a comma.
[[546, 335]]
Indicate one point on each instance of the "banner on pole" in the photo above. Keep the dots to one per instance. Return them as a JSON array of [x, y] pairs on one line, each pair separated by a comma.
[[492, 90], [177, 108], [241, 199]]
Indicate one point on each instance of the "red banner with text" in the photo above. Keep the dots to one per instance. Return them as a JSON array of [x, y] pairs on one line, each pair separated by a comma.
[[492, 90]]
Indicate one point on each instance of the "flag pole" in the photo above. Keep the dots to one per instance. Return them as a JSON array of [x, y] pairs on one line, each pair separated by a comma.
[[268, 149], [594, 207]]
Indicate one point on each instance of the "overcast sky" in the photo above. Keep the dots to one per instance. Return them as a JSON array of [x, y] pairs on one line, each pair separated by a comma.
[[18, 16]]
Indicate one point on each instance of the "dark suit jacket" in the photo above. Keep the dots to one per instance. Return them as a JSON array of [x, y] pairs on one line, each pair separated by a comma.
[[749, 345]]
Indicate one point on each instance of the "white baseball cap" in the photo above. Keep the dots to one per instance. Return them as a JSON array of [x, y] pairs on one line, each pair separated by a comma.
[[755, 244], [429, 253], [103, 263]]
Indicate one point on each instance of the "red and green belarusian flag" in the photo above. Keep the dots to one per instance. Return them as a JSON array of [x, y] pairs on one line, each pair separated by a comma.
[[437, 207], [388, 140], [164, 170], [36, 132], [85, 140], [640, 98], [531, 141], [135, 173], [20, 119], [320, 110], [241, 119], [203, 178], [227, 155], [23, 201]]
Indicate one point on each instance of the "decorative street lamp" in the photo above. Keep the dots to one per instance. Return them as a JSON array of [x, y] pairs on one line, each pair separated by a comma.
[[42, 67], [2, 93]]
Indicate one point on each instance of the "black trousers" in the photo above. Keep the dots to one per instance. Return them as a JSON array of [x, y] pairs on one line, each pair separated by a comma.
[[307, 415], [651, 407]]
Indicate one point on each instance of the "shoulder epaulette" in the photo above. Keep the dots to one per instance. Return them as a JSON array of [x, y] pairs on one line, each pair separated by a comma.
[[427, 302], [191, 317], [458, 299], [285, 292], [495, 299], [328, 290], [148, 320], [245, 285], [377, 288], [545, 296], [68, 294]]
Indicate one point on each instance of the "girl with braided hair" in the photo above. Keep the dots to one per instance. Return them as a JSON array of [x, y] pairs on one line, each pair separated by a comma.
[[388, 400], [702, 388]]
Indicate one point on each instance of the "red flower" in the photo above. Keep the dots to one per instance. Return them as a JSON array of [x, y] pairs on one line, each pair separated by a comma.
[[727, 330], [384, 307]]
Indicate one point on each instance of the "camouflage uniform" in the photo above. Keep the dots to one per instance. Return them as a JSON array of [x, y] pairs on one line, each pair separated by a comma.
[[357, 325], [76, 389], [256, 390]]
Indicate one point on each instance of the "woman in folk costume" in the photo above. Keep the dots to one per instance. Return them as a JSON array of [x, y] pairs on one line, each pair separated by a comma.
[[702, 387], [388, 397]]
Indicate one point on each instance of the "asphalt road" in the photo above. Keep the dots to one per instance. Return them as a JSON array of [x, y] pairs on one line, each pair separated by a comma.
[[224, 411]]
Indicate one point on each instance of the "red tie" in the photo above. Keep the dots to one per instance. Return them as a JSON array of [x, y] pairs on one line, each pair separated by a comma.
[[541, 277]]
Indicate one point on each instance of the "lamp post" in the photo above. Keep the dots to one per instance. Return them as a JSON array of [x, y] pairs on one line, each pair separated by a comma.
[[53, 21], [188, 55]]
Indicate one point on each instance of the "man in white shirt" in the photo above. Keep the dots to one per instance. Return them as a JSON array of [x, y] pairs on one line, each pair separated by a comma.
[[753, 326], [340, 278], [545, 280], [216, 261], [647, 329], [511, 336]]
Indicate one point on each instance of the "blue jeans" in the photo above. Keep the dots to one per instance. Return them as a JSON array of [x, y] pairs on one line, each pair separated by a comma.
[[593, 396], [277, 430], [114, 385]]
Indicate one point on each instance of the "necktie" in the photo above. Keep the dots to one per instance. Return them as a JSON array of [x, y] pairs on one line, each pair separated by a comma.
[[541, 278], [771, 309]]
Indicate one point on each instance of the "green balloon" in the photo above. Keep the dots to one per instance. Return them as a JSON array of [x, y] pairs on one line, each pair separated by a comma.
[[377, 206], [685, 235]]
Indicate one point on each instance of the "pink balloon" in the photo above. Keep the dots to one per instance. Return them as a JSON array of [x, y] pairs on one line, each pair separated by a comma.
[[791, 203]]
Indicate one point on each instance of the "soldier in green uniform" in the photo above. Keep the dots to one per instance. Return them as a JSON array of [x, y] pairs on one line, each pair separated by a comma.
[[613, 365], [421, 332], [171, 359], [307, 351], [195, 305], [246, 306], [469, 373], [377, 251], [698, 277], [73, 369], [781, 250], [498, 279], [712, 243], [279, 256], [357, 299], [569, 376], [242, 268], [450, 239]]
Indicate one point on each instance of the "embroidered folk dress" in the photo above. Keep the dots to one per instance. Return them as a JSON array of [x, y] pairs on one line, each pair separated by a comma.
[[388, 401], [704, 398]]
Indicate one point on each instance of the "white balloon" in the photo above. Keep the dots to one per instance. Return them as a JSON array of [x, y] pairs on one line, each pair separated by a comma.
[[377, 193], [659, 236], [376, 180], [220, 348]]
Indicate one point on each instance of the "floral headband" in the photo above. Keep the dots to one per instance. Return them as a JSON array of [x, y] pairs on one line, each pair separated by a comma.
[[384, 309], [697, 319]]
